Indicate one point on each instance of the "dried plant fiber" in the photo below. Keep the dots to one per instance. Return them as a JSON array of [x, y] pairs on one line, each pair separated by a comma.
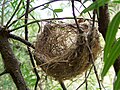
[[62, 52]]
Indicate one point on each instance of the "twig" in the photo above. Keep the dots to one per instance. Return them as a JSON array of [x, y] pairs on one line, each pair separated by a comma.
[[5, 2], [34, 19], [85, 78], [21, 40], [13, 13], [62, 85], [91, 54], [94, 14], [26, 20], [86, 86], [4, 72], [26, 38], [41, 21], [2, 16], [92, 60], [30, 10], [85, 8], [36, 22], [80, 31]]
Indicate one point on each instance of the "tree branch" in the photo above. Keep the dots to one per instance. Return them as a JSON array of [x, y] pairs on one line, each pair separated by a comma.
[[50, 19], [21, 40], [2, 16], [4, 72], [11, 64], [26, 38], [62, 85], [80, 31], [13, 14], [85, 78], [103, 20], [30, 10]]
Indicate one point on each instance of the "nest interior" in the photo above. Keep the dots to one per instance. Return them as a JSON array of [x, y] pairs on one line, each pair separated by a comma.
[[62, 52]]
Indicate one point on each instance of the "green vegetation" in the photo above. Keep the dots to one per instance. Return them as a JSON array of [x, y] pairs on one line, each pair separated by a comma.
[[103, 64]]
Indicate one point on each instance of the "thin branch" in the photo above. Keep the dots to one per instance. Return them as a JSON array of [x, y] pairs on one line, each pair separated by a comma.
[[62, 85], [26, 38], [85, 8], [26, 20], [14, 13], [33, 18], [36, 22], [92, 60], [50, 19], [94, 14], [4, 72], [80, 31], [85, 78], [5, 2], [30, 10], [86, 86], [91, 54], [2, 16], [21, 40]]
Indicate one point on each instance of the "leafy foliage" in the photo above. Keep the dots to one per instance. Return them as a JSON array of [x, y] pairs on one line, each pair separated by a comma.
[[117, 82], [111, 51], [112, 47], [58, 10], [95, 5]]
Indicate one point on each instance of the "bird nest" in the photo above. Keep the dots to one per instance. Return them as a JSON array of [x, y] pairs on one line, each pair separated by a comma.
[[63, 52]]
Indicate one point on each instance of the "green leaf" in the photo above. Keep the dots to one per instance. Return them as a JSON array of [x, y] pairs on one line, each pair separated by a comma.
[[116, 1], [57, 10], [111, 33], [46, 6], [117, 82], [113, 55], [95, 5]]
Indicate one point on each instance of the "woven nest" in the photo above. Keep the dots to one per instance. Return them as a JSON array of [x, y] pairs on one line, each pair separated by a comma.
[[62, 52]]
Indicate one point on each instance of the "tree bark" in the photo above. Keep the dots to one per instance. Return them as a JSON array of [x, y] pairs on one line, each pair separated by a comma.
[[11, 64], [103, 20]]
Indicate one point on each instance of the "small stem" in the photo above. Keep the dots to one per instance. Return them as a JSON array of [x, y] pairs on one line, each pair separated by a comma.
[[91, 53], [62, 85], [21, 40], [85, 78], [86, 86], [50, 19], [85, 8], [29, 51], [2, 16], [30, 10], [80, 31], [92, 60], [13, 13], [4, 72]]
